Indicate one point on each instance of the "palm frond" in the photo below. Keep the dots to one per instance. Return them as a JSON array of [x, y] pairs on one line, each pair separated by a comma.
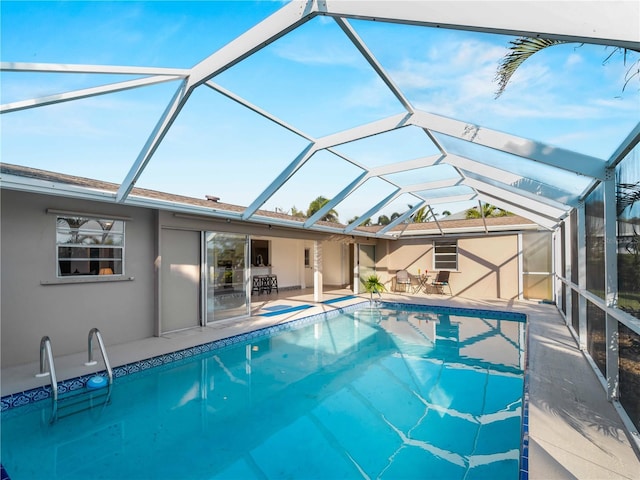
[[520, 50], [633, 69]]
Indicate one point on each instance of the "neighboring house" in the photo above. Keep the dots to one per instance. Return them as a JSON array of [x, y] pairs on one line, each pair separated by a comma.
[[73, 259]]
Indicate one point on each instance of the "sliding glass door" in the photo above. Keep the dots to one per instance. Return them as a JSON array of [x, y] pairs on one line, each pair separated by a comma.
[[226, 276]]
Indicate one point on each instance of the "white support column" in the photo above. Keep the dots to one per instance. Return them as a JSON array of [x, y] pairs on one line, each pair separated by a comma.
[[356, 268], [157, 265], [520, 268], [317, 271], [301, 266], [204, 288], [344, 264], [582, 275], [611, 281], [248, 280]]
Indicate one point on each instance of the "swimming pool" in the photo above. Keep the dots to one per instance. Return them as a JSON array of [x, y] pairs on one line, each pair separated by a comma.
[[402, 392]]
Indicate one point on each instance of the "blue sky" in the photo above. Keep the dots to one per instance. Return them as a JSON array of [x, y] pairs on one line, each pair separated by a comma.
[[314, 79]]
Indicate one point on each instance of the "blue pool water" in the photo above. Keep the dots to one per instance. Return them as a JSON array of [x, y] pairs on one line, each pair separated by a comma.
[[370, 394]]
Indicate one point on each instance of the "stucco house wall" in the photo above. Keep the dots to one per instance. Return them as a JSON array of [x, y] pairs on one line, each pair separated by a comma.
[[287, 261], [487, 265], [34, 305], [405, 254], [334, 264], [34, 302]]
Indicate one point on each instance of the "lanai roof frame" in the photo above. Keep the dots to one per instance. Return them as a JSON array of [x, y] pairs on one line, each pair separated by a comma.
[[476, 16]]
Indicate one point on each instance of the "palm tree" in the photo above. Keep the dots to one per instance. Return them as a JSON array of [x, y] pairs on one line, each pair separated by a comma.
[[421, 215], [317, 204], [383, 220], [488, 210], [364, 223], [521, 49], [524, 47], [297, 213]]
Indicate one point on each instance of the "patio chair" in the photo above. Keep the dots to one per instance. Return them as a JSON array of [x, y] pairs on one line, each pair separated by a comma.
[[403, 280], [441, 281]]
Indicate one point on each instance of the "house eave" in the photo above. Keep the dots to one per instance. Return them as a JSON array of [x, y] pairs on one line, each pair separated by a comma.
[[47, 187]]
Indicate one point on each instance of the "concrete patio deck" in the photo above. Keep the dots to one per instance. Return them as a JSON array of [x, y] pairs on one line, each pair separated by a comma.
[[574, 432]]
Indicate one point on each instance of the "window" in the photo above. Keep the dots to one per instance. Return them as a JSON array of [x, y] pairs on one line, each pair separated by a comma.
[[89, 246], [260, 253], [307, 257], [445, 255]]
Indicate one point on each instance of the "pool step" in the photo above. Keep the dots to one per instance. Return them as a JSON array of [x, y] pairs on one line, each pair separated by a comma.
[[81, 400]]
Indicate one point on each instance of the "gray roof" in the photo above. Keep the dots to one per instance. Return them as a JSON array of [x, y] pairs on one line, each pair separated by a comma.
[[216, 208]]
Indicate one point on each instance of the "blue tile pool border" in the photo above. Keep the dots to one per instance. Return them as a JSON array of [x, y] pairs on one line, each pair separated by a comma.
[[470, 312], [29, 398]]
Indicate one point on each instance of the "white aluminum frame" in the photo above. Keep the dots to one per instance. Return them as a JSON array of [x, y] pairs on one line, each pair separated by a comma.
[[556, 20]]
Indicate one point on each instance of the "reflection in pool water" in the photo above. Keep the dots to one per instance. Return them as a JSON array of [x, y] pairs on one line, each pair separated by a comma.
[[378, 393]]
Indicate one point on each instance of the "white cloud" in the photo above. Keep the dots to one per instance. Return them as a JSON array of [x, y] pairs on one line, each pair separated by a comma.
[[308, 50], [573, 59], [452, 76], [413, 76], [619, 104], [374, 94], [457, 80]]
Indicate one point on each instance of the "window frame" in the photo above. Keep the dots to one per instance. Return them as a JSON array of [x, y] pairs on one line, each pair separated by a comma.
[[438, 256], [98, 266], [260, 247]]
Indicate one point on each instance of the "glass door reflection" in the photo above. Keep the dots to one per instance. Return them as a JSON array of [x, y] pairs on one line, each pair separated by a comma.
[[226, 276]]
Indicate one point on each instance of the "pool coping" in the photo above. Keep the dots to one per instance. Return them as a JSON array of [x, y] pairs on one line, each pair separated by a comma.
[[524, 435]]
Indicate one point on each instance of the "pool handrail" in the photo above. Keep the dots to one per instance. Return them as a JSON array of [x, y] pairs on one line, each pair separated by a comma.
[[45, 347], [46, 357], [94, 332]]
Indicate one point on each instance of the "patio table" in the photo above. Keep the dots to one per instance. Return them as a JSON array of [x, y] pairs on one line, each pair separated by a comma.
[[422, 281]]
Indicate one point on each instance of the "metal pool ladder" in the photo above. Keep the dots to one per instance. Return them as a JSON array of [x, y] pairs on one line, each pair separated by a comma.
[[83, 399]]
